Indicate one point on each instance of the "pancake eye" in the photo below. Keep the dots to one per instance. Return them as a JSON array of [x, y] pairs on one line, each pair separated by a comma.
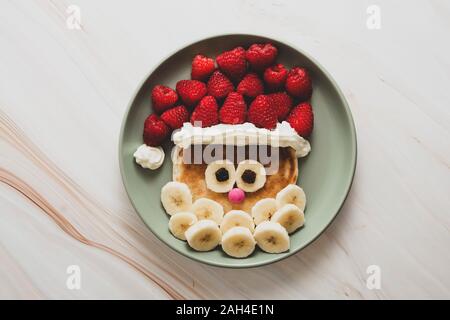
[[220, 176], [250, 175]]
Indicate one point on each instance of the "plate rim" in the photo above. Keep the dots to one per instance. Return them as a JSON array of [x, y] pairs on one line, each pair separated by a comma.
[[353, 142]]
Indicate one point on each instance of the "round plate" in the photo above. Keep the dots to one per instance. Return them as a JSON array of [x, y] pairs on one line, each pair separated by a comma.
[[326, 174]]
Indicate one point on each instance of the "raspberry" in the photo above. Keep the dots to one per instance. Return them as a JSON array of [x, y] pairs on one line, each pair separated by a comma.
[[155, 131], [261, 114], [202, 67], [233, 63], [281, 102], [234, 109], [299, 84], [275, 76], [175, 117], [251, 86], [219, 86], [163, 98], [191, 91], [206, 113], [152, 118], [301, 119], [260, 56]]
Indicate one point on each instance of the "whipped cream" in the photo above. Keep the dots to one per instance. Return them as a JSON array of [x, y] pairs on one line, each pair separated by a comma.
[[149, 157], [242, 134]]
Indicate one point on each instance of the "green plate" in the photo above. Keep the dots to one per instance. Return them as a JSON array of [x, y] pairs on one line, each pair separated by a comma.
[[326, 174]]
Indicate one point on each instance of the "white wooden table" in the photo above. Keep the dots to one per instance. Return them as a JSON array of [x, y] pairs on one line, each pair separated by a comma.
[[63, 92]]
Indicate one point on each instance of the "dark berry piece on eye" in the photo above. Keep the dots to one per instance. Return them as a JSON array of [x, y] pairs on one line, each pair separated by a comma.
[[249, 176], [222, 175]]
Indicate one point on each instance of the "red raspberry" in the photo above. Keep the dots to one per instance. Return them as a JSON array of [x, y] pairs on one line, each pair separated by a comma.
[[301, 119], [281, 102], [299, 84], [233, 63], [163, 98], [260, 56], [234, 109], [202, 67], [219, 86], [261, 114], [175, 117], [155, 131], [206, 112], [152, 118], [275, 76], [191, 91], [251, 86]]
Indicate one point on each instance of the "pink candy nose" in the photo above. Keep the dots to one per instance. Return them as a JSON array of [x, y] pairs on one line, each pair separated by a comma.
[[236, 195]]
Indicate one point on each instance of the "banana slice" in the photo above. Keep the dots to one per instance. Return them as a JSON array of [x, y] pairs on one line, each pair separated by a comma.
[[176, 197], [263, 210], [204, 235], [292, 193], [220, 176], [238, 242], [237, 218], [180, 222], [271, 237], [290, 217], [250, 175], [209, 209]]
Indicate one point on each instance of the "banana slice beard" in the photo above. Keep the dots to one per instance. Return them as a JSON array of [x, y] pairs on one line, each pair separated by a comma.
[[272, 237], [290, 217], [204, 235], [238, 242], [263, 210], [176, 197], [220, 176], [237, 218], [180, 222], [293, 194], [208, 209], [250, 175]]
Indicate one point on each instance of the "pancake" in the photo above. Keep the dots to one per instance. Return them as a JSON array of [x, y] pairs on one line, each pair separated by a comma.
[[194, 176]]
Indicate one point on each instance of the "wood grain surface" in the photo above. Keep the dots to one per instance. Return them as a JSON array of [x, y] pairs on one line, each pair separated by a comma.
[[63, 93]]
